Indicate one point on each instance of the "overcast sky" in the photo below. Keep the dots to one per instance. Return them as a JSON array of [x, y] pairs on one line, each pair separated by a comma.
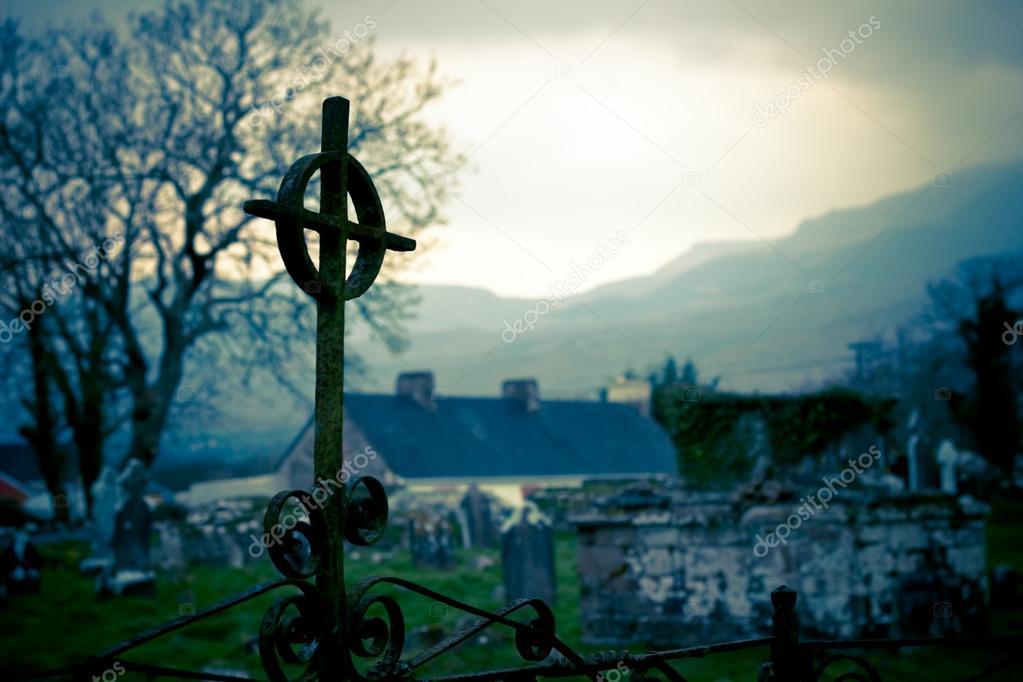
[[584, 118]]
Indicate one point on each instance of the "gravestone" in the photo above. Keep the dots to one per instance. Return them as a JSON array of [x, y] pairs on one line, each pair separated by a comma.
[[430, 542], [132, 568], [20, 565], [527, 555], [106, 498], [480, 519]]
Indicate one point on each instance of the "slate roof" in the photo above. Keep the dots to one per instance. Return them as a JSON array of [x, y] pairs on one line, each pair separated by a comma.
[[497, 437], [18, 460]]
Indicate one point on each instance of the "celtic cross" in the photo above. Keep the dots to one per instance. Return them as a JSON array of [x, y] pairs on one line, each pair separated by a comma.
[[340, 176]]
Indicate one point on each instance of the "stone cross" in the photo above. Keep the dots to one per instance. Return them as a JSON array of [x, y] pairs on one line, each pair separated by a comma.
[[340, 176], [912, 454], [947, 458]]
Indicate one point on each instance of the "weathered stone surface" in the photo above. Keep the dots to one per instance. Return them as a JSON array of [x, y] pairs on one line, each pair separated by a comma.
[[675, 575]]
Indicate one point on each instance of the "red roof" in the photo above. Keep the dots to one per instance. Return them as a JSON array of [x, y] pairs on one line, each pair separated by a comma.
[[11, 489]]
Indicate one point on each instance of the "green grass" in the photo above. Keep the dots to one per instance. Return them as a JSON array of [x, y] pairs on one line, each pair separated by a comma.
[[66, 622]]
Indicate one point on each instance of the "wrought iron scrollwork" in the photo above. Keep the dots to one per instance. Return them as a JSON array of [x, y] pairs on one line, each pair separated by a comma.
[[295, 548], [535, 642], [366, 515], [535, 639], [295, 625], [291, 631], [376, 638]]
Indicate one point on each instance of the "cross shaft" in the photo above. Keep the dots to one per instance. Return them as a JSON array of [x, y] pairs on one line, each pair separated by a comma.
[[340, 175]]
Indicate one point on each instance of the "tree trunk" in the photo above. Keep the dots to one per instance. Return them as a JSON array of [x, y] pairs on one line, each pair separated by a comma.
[[89, 441], [152, 407], [42, 434]]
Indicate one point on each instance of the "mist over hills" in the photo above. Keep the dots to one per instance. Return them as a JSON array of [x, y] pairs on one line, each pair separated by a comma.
[[747, 311], [761, 316]]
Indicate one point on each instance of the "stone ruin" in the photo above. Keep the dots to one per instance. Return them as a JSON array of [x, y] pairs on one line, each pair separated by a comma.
[[670, 566], [222, 533]]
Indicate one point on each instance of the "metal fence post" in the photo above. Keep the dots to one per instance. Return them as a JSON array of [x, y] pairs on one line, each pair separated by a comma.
[[785, 665]]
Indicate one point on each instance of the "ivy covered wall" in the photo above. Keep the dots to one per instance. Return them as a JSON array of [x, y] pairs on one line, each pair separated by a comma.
[[716, 434]]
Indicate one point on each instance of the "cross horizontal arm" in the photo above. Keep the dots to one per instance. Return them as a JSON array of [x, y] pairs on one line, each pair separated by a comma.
[[304, 218]]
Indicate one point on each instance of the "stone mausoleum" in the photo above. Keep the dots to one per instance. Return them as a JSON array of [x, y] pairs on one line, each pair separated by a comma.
[[671, 566]]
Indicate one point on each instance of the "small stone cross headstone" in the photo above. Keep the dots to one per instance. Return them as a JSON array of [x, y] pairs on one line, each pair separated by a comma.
[[527, 555], [948, 457], [132, 567], [106, 496]]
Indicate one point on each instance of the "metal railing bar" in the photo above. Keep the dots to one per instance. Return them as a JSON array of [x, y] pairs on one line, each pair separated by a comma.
[[179, 673], [556, 642], [991, 641], [99, 661], [646, 661], [178, 623], [983, 674]]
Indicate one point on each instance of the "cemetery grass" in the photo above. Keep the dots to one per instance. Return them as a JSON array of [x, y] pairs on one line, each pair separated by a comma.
[[66, 622]]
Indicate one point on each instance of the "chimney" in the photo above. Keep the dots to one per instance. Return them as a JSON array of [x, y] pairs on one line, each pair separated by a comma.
[[524, 391], [418, 386], [632, 392]]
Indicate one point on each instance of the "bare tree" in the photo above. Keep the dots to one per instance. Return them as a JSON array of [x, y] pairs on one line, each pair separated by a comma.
[[58, 186], [153, 137]]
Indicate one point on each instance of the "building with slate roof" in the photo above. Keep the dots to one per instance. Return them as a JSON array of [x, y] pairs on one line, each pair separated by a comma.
[[504, 443]]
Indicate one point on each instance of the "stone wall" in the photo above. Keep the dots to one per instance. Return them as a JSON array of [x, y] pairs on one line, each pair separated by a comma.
[[688, 572]]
